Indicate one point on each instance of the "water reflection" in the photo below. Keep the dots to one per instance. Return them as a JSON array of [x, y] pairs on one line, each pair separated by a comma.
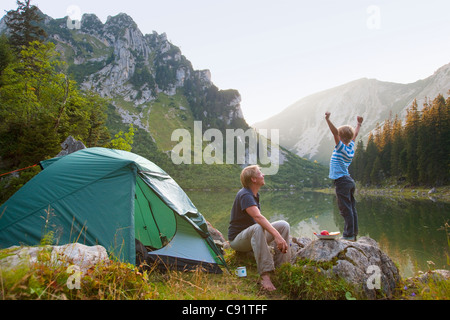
[[409, 231]]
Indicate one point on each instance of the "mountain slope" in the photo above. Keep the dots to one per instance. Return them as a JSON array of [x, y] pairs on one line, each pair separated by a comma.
[[116, 60], [304, 131]]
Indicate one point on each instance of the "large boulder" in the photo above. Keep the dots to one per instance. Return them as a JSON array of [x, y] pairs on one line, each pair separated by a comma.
[[361, 263], [74, 254], [85, 257]]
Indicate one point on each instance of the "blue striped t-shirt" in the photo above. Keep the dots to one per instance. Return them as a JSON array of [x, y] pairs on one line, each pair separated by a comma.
[[340, 160]]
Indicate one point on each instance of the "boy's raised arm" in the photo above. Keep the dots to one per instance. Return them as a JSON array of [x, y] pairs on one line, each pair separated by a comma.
[[358, 126], [333, 129]]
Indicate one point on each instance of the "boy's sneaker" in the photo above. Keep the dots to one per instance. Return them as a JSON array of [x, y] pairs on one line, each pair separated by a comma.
[[353, 239]]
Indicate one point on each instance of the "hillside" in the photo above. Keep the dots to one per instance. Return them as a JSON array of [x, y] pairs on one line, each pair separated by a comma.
[[153, 86], [304, 131]]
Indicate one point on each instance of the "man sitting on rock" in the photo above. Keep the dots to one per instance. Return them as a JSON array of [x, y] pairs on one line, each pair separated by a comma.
[[250, 230]]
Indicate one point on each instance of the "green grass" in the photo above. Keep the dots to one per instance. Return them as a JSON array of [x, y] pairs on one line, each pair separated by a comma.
[[166, 116]]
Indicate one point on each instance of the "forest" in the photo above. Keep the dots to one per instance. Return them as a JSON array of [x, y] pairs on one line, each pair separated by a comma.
[[415, 151]]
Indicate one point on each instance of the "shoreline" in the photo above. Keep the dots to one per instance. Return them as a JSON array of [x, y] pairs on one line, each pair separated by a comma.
[[441, 194]]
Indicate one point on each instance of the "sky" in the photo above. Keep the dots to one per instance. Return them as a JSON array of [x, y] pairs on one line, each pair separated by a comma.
[[277, 52]]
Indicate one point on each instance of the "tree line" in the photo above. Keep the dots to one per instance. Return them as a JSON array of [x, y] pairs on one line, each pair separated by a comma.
[[416, 151]]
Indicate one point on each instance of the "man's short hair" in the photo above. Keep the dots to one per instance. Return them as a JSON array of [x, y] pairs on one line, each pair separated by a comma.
[[247, 174]]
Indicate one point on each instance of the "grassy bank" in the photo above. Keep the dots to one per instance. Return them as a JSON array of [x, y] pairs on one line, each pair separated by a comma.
[[45, 280]]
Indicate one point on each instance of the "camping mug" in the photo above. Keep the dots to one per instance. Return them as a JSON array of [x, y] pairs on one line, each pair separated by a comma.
[[241, 272]]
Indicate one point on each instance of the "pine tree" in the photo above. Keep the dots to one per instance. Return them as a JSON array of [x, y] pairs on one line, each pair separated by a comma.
[[23, 24], [397, 147], [357, 168], [446, 141], [377, 135], [437, 124], [386, 147], [411, 139], [370, 156], [376, 174], [425, 146]]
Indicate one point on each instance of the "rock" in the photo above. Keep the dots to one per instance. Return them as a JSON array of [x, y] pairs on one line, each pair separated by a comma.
[[301, 242], [435, 275], [16, 256], [70, 145], [80, 255], [439, 277], [85, 257], [217, 237], [361, 263], [433, 190], [297, 244]]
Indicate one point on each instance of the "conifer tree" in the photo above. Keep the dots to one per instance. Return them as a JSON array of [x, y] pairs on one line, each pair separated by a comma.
[[386, 147], [370, 156], [397, 147], [425, 145], [23, 24], [411, 139], [377, 135], [357, 169], [376, 175]]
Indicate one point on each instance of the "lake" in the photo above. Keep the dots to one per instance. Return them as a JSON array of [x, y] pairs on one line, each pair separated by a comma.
[[411, 232]]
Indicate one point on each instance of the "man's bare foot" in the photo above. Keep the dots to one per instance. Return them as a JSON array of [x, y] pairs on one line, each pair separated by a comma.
[[266, 283]]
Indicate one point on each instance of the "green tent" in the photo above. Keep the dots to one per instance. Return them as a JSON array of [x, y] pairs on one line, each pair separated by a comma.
[[113, 198]]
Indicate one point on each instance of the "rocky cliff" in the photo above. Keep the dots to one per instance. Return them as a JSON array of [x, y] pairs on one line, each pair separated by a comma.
[[118, 61]]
